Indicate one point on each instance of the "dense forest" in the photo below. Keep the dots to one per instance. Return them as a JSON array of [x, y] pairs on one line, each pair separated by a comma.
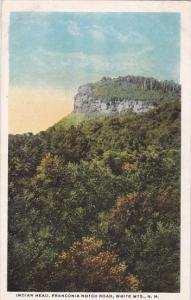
[[94, 207]]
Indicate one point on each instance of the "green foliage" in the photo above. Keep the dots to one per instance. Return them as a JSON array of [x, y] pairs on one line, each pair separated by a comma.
[[113, 179], [160, 247], [112, 90], [140, 230], [71, 119]]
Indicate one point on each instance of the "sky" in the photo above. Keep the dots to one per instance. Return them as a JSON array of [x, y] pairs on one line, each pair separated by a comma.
[[51, 54]]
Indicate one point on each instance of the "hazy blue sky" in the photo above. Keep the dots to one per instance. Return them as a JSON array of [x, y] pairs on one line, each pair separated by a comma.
[[64, 50]]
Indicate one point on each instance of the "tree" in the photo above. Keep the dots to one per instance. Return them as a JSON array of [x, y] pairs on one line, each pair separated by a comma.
[[87, 267], [137, 231]]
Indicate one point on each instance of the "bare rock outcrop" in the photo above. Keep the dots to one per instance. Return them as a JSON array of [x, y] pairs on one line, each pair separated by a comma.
[[129, 93]]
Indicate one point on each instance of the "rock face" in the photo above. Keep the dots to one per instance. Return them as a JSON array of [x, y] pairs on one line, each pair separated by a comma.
[[116, 95], [86, 102]]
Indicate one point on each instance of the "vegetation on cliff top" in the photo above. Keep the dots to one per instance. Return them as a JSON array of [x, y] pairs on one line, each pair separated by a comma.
[[135, 88]]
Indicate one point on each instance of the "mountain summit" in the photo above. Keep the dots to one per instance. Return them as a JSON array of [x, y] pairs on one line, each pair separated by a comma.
[[124, 93]]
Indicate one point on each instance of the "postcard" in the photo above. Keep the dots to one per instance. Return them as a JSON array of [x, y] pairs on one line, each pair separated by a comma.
[[95, 149]]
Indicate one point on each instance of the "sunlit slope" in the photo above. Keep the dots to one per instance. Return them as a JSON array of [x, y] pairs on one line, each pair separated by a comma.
[[71, 119]]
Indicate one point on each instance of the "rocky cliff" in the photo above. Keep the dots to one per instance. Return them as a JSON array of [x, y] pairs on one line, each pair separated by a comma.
[[134, 93]]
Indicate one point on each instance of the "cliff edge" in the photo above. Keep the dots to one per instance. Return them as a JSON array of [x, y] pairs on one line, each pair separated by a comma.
[[128, 93]]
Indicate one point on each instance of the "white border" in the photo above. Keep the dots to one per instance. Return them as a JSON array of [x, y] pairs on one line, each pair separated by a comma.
[[182, 7]]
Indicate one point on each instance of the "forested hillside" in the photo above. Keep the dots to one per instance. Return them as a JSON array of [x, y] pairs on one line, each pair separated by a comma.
[[95, 206]]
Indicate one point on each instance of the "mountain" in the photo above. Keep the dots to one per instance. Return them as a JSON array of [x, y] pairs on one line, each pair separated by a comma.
[[103, 194], [115, 95]]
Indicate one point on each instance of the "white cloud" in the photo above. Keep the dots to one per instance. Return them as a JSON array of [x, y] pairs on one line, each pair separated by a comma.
[[77, 68], [96, 32], [73, 28], [135, 41], [98, 35], [121, 37]]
